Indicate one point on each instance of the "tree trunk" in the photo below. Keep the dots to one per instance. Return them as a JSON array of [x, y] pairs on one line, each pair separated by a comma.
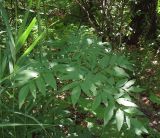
[[143, 20], [153, 20]]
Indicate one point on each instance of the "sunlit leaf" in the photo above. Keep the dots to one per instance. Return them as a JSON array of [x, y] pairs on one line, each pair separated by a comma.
[[93, 89], [119, 119], [128, 84], [128, 122], [24, 36], [133, 111], [120, 72], [11, 66], [125, 102], [25, 75], [30, 48]]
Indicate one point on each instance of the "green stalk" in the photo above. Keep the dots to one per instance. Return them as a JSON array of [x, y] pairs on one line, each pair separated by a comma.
[[9, 32], [16, 18], [38, 16], [46, 19]]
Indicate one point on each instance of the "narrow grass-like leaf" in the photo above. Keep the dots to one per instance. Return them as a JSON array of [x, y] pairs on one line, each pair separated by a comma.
[[33, 118], [22, 39], [11, 66], [32, 46], [22, 95], [3, 66], [19, 124]]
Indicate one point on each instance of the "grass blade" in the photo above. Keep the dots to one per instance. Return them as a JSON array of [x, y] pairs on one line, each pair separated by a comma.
[[22, 39], [32, 46], [22, 27]]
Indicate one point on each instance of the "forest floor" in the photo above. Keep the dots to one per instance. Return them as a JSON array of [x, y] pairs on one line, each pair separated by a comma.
[[147, 72]]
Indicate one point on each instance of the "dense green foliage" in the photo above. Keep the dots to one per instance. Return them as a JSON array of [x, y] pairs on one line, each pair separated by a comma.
[[66, 70]]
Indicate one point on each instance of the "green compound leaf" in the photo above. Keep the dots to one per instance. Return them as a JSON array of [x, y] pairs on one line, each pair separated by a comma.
[[76, 92], [108, 113], [41, 85], [50, 80], [22, 95], [32, 88], [96, 102]]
